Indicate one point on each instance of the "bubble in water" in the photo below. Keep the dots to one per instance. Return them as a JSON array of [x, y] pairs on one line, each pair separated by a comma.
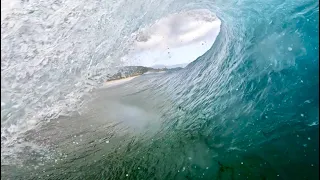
[[289, 48], [307, 101]]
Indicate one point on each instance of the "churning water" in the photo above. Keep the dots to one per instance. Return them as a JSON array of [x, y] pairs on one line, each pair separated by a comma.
[[248, 108]]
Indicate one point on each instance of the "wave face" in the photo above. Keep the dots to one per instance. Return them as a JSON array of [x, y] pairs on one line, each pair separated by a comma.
[[246, 109]]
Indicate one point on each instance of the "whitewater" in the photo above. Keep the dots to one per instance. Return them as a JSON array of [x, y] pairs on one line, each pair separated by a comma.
[[230, 91]]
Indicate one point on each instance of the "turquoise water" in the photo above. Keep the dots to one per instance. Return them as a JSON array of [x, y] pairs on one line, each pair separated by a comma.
[[246, 109]]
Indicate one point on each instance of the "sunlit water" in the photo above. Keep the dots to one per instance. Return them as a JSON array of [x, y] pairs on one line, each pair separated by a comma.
[[245, 109]]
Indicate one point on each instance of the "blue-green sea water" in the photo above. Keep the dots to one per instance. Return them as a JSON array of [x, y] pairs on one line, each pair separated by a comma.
[[246, 109]]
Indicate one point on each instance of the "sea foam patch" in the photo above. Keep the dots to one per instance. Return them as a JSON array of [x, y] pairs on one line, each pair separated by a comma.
[[175, 40]]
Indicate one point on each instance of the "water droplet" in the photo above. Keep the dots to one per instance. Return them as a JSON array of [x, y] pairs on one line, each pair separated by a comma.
[[241, 162], [302, 115], [289, 48], [107, 141], [127, 175], [305, 145], [309, 138], [278, 175]]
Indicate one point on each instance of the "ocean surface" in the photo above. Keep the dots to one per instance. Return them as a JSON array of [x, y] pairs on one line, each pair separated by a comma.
[[245, 105]]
